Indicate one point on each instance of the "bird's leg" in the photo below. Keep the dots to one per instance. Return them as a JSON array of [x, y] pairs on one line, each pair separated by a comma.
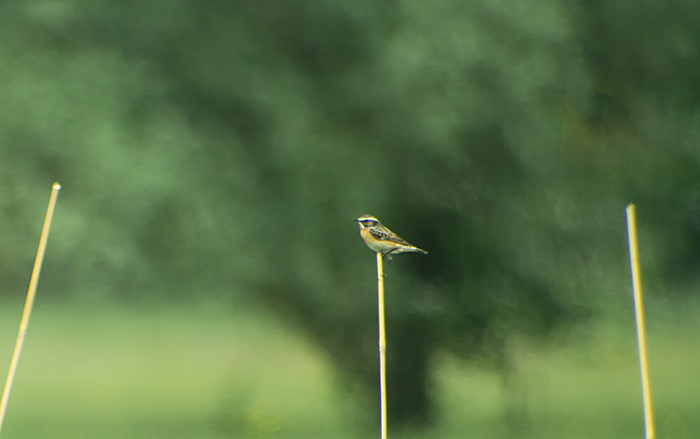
[[387, 257], [385, 264], [387, 254]]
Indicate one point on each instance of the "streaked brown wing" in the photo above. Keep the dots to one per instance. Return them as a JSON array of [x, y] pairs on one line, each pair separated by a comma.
[[381, 235]]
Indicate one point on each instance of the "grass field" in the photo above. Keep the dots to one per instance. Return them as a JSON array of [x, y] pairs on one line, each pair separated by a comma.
[[211, 372]]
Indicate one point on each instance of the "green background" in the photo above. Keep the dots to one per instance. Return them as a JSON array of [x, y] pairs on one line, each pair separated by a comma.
[[204, 277]]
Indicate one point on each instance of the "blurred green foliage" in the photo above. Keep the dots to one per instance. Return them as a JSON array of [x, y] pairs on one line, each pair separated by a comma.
[[221, 149]]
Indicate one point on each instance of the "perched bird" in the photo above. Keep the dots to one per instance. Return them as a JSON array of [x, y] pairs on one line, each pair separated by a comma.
[[382, 240]]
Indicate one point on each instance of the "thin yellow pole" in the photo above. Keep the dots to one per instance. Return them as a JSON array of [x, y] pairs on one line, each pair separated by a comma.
[[639, 317], [382, 343], [33, 281]]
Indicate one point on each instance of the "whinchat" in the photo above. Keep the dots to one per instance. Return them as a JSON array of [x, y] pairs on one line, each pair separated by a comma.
[[382, 240]]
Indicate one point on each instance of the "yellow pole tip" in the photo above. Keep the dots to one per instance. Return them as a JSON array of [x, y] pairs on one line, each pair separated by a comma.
[[56, 186]]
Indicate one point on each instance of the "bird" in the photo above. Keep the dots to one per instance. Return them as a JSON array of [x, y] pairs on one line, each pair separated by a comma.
[[382, 240]]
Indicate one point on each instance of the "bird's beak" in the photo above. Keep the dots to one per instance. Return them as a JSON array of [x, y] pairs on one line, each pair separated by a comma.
[[357, 220]]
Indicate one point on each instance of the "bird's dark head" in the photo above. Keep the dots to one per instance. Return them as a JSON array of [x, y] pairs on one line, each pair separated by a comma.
[[366, 221]]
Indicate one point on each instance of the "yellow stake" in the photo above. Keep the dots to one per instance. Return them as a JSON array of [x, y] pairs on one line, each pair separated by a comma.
[[639, 316], [382, 342], [33, 281]]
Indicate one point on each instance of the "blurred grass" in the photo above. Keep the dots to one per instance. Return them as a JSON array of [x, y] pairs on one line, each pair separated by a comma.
[[213, 372], [182, 372]]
